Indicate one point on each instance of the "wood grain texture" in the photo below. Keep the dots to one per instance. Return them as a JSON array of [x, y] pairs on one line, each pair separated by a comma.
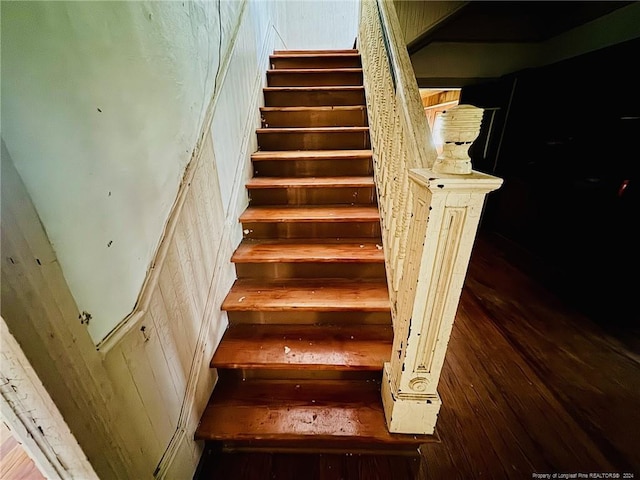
[[361, 251], [316, 52], [322, 347], [313, 96], [283, 77], [530, 385], [309, 182], [348, 412], [313, 138], [328, 295], [338, 213], [346, 155], [327, 116], [306, 306], [315, 60], [15, 463]]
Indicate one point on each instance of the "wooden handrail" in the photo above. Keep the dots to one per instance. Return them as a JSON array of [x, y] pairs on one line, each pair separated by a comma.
[[429, 222]]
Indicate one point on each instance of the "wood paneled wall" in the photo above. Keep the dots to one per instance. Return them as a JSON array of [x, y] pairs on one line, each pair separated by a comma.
[[416, 18]]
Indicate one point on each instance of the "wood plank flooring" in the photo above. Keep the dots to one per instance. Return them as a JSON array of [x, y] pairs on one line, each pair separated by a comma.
[[530, 385], [15, 463]]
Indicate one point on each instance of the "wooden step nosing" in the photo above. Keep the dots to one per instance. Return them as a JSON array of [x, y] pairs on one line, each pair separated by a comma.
[[310, 259], [319, 88], [301, 130], [264, 155], [263, 217], [364, 252], [319, 367], [316, 108], [309, 182], [314, 54], [323, 71]]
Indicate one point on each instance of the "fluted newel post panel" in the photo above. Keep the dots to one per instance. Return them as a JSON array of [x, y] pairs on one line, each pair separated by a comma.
[[446, 210]]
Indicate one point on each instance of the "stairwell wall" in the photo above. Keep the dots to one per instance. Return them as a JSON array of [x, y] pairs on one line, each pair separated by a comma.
[[134, 401]]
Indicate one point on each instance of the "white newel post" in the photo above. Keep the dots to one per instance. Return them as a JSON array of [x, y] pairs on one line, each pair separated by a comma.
[[447, 202], [446, 212]]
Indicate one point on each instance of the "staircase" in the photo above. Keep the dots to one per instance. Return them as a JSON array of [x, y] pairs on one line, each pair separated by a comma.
[[309, 316]]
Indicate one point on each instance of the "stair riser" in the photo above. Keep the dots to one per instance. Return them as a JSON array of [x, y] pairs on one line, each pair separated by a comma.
[[313, 196], [312, 168], [347, 117], [311, 230], [313, 141], [313, 98], [310, 318], [311, 270], [315, 79], [347, 61]]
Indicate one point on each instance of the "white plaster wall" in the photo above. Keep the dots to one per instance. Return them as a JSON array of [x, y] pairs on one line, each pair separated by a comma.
[[102, 106], [317, 24], [278, 24], [103, 103]]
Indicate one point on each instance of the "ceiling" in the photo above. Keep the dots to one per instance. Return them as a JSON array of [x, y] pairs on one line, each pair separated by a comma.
[[514, 21]]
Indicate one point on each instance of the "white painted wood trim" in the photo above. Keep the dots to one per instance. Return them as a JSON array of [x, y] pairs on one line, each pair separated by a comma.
[[429, 222], [34, 417], [446, 212]]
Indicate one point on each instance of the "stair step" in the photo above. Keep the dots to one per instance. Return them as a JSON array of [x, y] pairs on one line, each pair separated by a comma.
[[325, 116], [297, 77], [313, 96], [324, 347], [293, 221], [309, 182], [316, 52], [305, 59], [314, 138], [284, 259], [286, 155], [331, 413], [312, 163], [317, 295], [311, 191], [363, 251], [333, 214]]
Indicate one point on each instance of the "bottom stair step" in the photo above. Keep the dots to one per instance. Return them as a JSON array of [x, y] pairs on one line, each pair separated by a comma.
[[338, 414], [324, 347]]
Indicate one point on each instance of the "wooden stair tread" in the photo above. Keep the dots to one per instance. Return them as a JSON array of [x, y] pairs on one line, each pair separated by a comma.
[[315, 53], [317, 88], [263, 155], [340, 213], [326, 347], [318, 295], [348, 412], [311, 109], [298, 130], [327, 71], [309, 182], [290, 252]]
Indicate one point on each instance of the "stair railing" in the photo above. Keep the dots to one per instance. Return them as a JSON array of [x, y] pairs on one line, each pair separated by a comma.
[[429, 217]]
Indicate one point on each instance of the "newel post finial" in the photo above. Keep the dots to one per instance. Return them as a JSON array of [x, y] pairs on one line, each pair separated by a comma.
[[460, 127]]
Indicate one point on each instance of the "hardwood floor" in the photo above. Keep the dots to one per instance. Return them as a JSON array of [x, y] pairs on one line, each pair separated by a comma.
[[530, 385], [15, 463]]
